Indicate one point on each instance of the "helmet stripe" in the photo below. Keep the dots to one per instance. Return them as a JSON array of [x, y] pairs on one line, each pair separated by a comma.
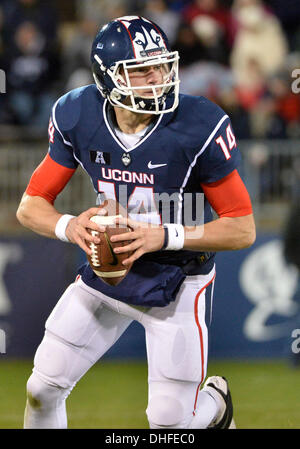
[[129, 36]]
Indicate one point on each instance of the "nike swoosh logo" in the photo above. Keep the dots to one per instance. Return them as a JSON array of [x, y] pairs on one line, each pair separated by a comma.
[[150, 165], [113, 255]]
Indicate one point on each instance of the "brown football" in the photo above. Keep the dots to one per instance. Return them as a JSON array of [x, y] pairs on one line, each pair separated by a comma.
[[104, 262]]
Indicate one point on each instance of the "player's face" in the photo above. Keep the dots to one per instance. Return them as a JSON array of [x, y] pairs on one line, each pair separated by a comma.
[[147, 76]]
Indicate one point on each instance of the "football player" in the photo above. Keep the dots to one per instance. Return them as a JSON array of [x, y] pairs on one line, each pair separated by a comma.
[[138, 138]]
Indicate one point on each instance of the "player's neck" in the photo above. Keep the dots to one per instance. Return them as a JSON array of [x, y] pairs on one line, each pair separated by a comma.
[[131, 122]]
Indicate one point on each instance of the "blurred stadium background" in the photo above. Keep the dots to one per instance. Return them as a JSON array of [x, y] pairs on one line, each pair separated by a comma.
[[242, 54]]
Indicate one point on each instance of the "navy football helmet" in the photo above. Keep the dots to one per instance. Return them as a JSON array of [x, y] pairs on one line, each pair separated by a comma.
[[134, 43]]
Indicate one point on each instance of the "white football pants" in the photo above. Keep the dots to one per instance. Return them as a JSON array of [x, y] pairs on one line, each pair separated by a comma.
[[84, 324]]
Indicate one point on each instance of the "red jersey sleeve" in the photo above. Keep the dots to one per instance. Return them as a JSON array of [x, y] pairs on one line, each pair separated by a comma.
[[49, 179], [228, 196]]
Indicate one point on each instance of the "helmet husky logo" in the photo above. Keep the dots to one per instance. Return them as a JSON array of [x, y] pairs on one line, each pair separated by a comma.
[[134, 42], [146, 42], [149, 43]]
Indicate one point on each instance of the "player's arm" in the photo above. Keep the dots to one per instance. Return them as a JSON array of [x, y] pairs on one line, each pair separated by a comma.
[[37, 212], [235, 227], [225, 233]]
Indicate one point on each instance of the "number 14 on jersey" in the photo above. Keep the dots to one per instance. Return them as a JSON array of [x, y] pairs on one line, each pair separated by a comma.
[[231, 142]]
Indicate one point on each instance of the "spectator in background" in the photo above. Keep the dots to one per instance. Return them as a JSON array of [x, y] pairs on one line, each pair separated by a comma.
[[259, 41], [76, 54], [249, 95], [213, 26], [41, 13], [188, 46], [200, 74], [178, 5], [282, 107], [92, 14], [259, 51], [30, 60], [32, 70], [288, 13], [102, 11], [168, 20]]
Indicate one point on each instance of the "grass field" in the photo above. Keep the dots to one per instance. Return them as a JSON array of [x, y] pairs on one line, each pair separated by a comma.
[[113, 395]]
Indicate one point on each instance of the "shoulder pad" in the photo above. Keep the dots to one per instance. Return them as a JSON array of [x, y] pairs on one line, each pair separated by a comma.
[[202, 109], [68, 108], [196, 119]]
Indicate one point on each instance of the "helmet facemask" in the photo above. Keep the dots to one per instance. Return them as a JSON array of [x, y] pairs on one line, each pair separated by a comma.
[[124, 95]]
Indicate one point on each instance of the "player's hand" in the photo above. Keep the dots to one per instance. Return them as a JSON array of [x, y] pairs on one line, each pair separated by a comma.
[[145, 239], [77, 229]]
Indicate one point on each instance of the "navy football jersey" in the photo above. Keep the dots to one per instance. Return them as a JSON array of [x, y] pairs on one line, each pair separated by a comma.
[[158, 180]]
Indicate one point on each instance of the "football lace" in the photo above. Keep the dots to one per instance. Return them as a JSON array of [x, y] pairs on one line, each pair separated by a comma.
[[94, 256]]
